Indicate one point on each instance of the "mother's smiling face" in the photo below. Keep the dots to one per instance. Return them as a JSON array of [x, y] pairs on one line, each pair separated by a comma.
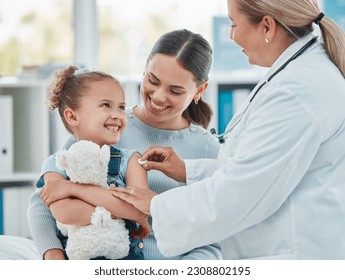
[[167, 89]]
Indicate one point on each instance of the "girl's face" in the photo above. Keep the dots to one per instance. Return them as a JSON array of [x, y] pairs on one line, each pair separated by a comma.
[[167, 90], [101, 115], [249, 36]]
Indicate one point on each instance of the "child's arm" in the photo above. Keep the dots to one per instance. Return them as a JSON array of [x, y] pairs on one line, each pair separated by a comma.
[[60, 196], [67, 210], [136, 175]]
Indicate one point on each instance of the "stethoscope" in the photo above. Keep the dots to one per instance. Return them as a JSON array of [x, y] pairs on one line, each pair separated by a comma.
[[221, 137]]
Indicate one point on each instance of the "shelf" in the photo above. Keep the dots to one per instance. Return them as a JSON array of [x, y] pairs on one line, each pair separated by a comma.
[[17, 82], [20, 179], [30, 122]]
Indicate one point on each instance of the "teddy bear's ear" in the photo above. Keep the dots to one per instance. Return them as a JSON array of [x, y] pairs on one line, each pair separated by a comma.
[[61, 159], [104, 154]]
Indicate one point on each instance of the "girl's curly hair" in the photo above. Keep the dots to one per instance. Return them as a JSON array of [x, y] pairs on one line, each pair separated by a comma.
[[56, 86], [67, 87]]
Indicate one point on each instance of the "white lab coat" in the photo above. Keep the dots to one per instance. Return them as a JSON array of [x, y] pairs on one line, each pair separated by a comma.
[[277, 189]]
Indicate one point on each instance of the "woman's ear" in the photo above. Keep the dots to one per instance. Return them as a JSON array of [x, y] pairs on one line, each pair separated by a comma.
[[71, 117], [199, 91], [269, 28]]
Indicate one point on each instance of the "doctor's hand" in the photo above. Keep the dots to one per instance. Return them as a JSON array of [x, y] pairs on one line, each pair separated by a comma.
[[166, 160], [140, 198]]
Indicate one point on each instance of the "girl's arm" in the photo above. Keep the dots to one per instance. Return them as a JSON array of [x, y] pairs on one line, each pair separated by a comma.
[[136, 175], [67, 210], [73, 203]]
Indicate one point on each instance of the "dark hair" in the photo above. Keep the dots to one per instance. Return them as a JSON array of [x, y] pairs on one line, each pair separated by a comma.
[[67, 87], [194, 53]]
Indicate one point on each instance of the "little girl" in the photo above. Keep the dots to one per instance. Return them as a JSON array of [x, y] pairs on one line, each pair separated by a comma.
[[92, 107]]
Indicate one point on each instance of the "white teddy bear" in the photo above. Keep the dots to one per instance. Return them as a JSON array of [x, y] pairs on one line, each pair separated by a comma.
[[86, 162]]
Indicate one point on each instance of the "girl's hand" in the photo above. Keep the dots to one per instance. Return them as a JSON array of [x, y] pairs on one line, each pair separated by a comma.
[[55, 190], [144, 230]]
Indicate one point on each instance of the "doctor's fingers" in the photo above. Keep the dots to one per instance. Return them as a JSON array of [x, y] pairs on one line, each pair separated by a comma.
[[130, 190], [139, 198], [164, 155], [157, 153], [173, 167]]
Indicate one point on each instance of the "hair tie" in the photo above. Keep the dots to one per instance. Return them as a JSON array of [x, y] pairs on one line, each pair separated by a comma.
[[319, 18], [80, 71]]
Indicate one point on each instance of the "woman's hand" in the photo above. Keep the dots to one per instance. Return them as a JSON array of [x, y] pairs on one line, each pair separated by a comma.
[[55, 190], [54, 254], [140, 198], [166, 160]]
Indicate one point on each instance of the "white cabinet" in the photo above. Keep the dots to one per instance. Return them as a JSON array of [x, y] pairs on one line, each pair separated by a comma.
[[30, 120], [6, 134], [29, 133]]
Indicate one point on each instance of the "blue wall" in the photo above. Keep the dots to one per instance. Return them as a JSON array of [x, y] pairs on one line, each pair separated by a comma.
[[227, 55], [335, 9], [225, 109]]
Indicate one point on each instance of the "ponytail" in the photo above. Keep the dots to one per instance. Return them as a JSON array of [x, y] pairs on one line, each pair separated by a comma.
[[334, 42], [199, 114]]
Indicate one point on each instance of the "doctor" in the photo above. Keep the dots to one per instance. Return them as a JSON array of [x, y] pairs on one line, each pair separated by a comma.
[[277, 188]]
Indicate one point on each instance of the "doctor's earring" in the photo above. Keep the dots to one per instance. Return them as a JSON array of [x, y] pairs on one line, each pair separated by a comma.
[[267, 41]]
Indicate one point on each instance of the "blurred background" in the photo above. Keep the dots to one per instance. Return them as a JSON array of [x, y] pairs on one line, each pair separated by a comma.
[[115, 36], [121, 33]]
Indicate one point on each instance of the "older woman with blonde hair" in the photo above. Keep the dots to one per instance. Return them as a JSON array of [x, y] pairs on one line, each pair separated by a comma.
[[277, 188]]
